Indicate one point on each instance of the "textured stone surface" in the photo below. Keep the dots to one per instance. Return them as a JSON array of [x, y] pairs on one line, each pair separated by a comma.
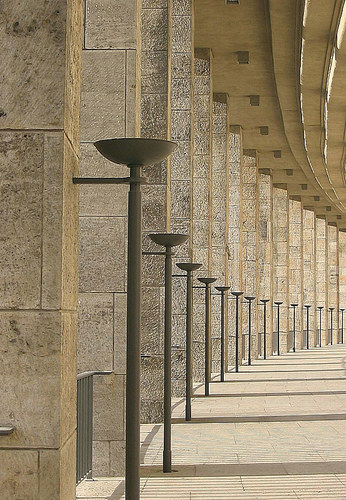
[[296, 266], [103, 91], [101, 200], [309, 272], [19, 474], [120, 323], [33, 91], [21, 224], [30, 348], [280, 263], [110, 24], [101, 458], [265, 257], [109, 407], [101, 254], [117, 458], [95, 331]]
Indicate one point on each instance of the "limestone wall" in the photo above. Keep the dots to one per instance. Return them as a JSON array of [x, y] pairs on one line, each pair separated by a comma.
[[39, 149]]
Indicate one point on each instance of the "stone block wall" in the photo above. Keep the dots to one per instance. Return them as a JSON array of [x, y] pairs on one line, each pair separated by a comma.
[[108, 109], [280, 265], [249, 257], [265, 258], [296, 270], [321, 276], [235, 234], [333, 277], [309, 274], [39, 150]]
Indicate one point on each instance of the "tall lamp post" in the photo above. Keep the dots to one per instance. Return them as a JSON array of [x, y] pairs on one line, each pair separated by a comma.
[[294, 306], [207, 357], [264, 302], [249, 299], [167, 240], [331, 309], [320, 333], [307, 325], [278, 304], [237, 295], [135, 153], [189, 267], [223, 290]]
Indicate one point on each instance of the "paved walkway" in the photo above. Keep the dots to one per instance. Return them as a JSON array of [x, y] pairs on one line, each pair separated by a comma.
[[276, 430]]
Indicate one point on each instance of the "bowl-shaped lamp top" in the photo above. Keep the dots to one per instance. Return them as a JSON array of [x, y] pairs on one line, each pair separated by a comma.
[[278, 303], [249, 298], [207, 281], [222, 288], [168, 239], [135, 150], [188, 266], [237, 294]]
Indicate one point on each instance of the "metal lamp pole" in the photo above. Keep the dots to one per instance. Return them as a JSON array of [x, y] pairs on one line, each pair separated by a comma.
[[307, 326], [294, 326], [207, 357], [278, 304], [342, 325], [167, 240], [249, 299], [223, 290], [135, 153], [237, 295], [331, 309], [189, 267], [320, 310], [264, 302]]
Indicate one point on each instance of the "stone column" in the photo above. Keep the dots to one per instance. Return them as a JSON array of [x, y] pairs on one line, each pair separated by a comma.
[[333, 276], [309, 273], [322, 275], [156, 22], [342, 275], [295, 228], [181, 99], [39, 224], [235, 235], [280, 263], [108, 109], [249, 245], [265, 254], [202, 194], [219, 215]]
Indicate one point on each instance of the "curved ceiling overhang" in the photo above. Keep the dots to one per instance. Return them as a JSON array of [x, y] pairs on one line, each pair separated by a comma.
[[291, 45]]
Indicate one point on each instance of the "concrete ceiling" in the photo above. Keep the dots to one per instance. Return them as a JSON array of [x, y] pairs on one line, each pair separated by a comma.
[[297, 67]]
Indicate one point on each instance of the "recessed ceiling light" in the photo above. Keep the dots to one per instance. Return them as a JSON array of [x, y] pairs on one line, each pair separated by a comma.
[[277, 153], [264, 130], [254, 100], [243, 57], [234, 2]]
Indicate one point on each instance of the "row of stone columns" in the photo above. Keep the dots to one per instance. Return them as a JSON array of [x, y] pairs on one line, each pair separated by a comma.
[[244, 230]]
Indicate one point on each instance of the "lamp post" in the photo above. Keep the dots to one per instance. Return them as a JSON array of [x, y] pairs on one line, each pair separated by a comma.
[[278, 304], [307, 325], [167, 240], [320, 333], [249, 299], [223, 290], [331, 309], [135, 153], [207, 358], [294, 326], [264, 302], [189, 267], [237, 295], [342, 326]]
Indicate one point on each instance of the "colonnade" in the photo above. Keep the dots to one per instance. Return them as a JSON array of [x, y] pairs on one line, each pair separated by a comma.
[[245, 227]]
